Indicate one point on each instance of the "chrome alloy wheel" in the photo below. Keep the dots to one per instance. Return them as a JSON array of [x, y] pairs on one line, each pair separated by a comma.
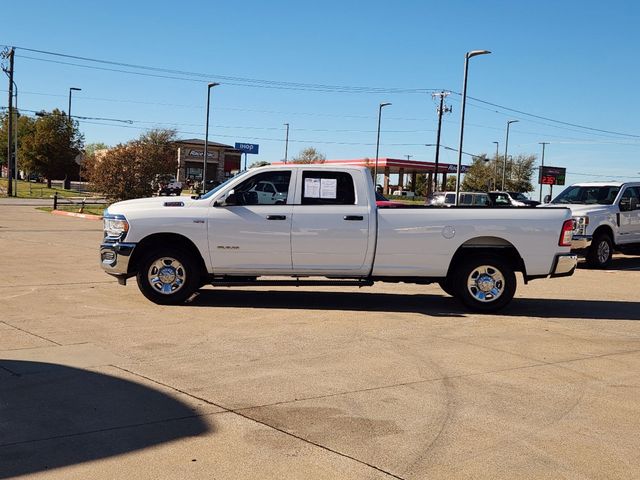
[[486, 283], [603, 252], [166, 275]]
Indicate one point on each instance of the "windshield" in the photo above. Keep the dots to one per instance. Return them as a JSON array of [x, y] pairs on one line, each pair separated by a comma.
[[586, 195], [518, 196], [215, 190]]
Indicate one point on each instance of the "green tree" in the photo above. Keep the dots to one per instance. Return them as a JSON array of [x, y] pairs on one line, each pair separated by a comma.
[[479, 176], [91, 148], [451, 183], [261, 163], [420, 188], [484, 175], [129, 170], [309, 155], [52, 146], [25, 128], [520, 173]]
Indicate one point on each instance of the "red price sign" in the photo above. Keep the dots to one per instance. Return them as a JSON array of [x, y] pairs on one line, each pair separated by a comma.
[[546, 180]]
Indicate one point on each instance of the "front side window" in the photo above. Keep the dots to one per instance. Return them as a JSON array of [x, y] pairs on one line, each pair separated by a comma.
[[259, 189], [327, 188]]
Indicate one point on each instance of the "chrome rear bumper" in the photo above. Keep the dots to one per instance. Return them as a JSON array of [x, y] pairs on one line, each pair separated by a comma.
[[565, 265]]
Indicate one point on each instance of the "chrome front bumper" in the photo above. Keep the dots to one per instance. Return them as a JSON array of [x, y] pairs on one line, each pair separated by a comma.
[[565, 265], [579, 242], [114, 258]]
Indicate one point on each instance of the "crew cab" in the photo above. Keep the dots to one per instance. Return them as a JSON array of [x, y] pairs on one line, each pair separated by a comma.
[[606, 218], [328, 226]]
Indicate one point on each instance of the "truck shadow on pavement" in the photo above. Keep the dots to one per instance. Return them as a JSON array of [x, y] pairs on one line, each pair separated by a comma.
[[53, 416], [425, 304]]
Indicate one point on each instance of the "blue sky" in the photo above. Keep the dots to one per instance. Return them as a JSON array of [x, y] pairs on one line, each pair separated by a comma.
[[568, 61]]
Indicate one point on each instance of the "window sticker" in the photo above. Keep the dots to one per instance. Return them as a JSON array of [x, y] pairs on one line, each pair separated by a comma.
[[328, 188], [312, 188]]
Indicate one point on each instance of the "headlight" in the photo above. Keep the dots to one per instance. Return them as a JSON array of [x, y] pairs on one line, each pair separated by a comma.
[[115, 226], [580, 225]]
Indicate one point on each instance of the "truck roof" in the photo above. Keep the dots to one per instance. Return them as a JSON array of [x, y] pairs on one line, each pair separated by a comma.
[[602, 184]]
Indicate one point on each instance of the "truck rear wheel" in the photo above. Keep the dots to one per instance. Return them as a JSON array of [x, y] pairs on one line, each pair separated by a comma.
[[600, 252], [485, 283], [168, 276]]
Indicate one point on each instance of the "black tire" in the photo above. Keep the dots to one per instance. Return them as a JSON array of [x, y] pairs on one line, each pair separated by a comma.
[[600, 252], [485, 283], [173, 286], [448, 288]]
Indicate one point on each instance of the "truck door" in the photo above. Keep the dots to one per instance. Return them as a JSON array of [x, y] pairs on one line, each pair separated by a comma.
[[330, 227], [630, 216], [253, 233]]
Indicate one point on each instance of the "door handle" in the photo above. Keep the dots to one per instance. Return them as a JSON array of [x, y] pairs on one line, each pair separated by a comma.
[[276, 217], [354, 217]]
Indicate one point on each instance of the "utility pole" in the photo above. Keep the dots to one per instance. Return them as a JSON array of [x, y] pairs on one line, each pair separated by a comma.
[[10, 193], [408, 157], [286, 143], [542, 168], [442, 108]]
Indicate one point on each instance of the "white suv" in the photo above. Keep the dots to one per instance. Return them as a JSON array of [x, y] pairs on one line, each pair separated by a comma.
[[467, 199]]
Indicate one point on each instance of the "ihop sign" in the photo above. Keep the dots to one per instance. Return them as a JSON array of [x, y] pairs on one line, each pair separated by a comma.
[[248, 148]]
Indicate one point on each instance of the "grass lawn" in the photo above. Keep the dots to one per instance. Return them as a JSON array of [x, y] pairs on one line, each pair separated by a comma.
[[39, 190], [90, 209]]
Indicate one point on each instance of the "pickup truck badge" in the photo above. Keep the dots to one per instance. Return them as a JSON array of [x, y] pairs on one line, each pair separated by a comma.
[[228, 247]]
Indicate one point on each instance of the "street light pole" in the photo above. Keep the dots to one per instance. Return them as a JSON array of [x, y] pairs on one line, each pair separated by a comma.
[[495, 168], [375, 171], [71, 90], [542, 168], [506, 146], [15, 144], [286, 143], [206, 138], [467, 56]]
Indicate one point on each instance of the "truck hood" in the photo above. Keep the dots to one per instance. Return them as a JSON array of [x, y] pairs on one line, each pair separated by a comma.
[[128, 206]]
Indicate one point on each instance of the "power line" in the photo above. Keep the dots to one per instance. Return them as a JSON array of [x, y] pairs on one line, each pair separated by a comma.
[[253, 82], [229, 80], [561, 122]]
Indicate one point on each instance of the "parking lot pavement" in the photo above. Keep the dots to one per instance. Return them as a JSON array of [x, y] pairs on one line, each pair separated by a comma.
[[393, 381]]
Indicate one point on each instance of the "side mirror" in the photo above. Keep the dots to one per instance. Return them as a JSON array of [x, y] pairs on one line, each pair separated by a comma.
[[547, 199], [231, 199], [625, 204]]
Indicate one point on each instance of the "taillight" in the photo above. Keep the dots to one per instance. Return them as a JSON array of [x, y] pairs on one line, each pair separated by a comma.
[[566, 234]]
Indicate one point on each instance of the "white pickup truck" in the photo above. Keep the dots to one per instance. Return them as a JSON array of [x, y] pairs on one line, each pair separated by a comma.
[[606, 218], [328, 226]]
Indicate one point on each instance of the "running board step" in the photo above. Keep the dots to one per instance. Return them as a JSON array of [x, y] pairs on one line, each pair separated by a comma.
[[292, 283]]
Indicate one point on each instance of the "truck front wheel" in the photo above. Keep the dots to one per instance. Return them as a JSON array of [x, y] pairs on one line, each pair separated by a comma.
[[484, 284], [168, 276], [600, 252]]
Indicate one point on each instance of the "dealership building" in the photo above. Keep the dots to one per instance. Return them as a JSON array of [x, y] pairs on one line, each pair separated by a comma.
[[223, 160]]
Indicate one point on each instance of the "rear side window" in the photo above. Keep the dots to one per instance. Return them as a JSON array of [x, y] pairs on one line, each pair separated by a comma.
[[327, 188]]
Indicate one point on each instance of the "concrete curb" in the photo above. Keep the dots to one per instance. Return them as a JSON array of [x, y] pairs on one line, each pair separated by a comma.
[[88, 216]]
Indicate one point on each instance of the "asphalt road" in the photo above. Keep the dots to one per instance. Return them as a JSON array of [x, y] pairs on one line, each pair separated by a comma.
[[394, 381]]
